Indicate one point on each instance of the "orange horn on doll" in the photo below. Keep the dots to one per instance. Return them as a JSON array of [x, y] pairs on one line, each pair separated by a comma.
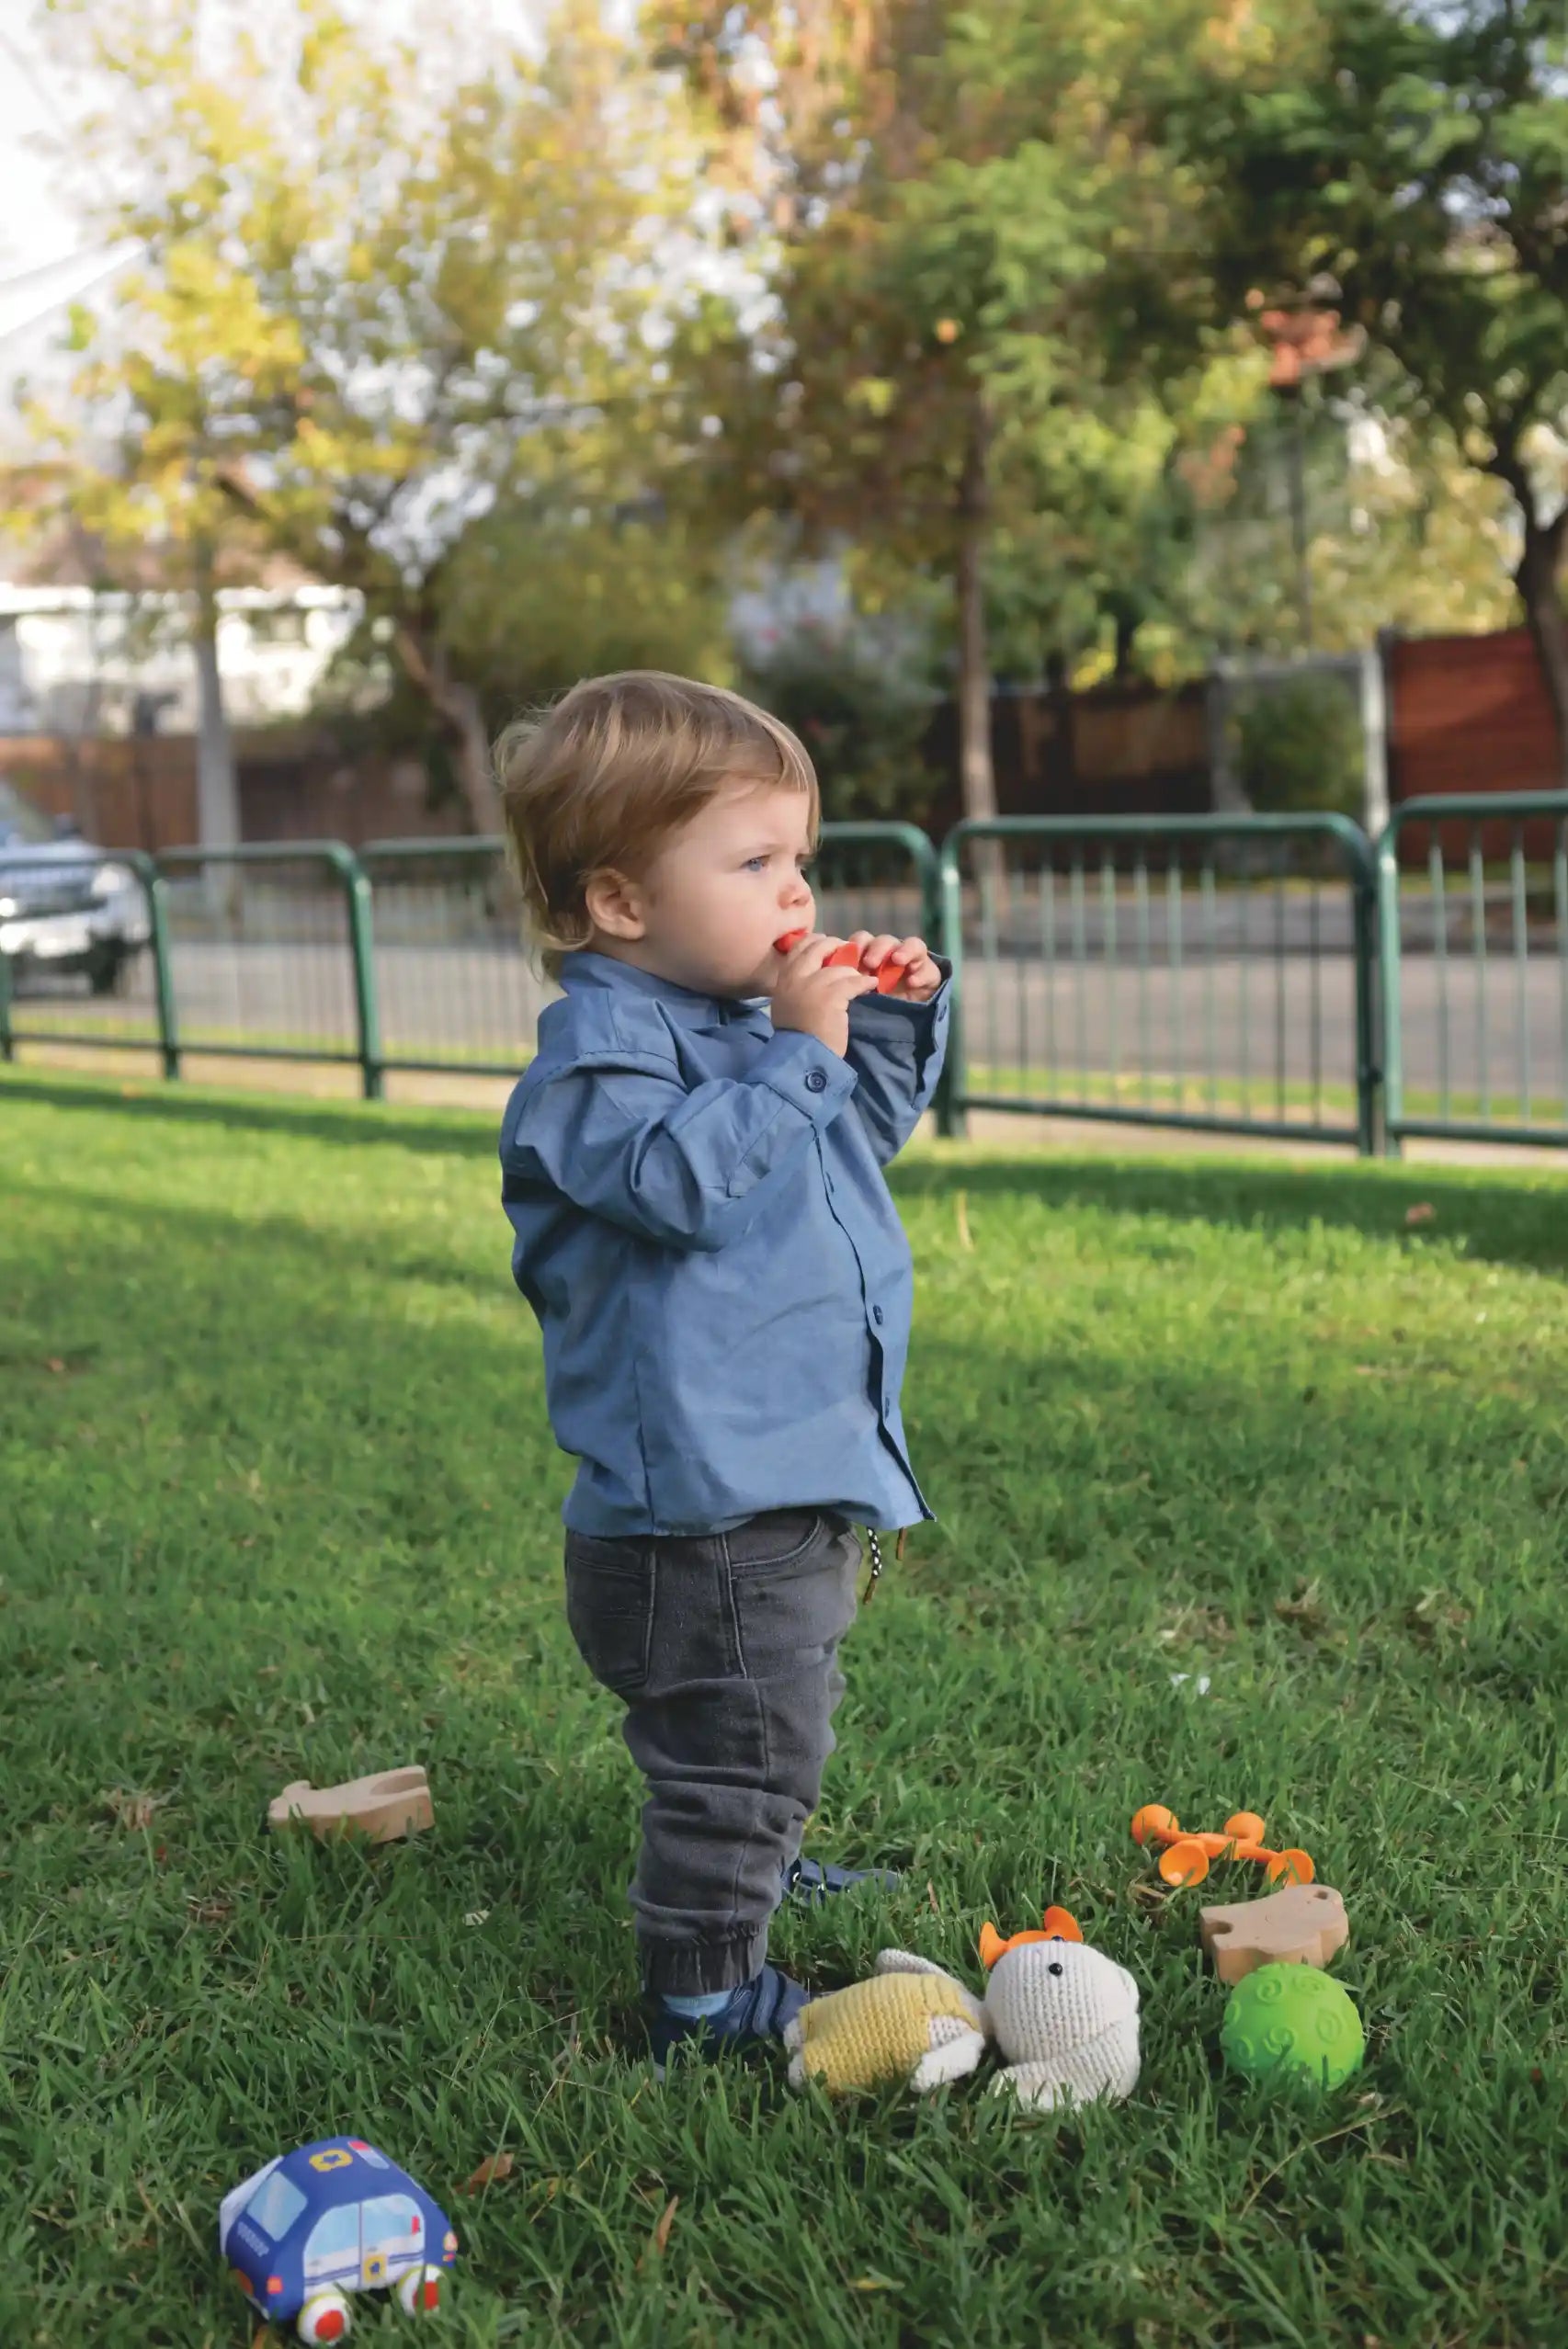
[[1059, 1925]]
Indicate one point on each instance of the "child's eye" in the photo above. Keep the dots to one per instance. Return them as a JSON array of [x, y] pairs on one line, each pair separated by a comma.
[[755, 864]]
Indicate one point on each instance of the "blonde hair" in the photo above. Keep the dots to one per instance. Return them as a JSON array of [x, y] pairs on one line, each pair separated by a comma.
[[611, 771]]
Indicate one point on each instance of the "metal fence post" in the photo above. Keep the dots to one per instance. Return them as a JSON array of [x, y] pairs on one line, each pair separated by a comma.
[[952, 1123], [367, 1005], [1388, 950], [163, 970], [1369, 1128], [1372, 1133]]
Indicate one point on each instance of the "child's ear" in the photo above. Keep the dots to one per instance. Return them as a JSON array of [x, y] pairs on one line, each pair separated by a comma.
[[614, 906]]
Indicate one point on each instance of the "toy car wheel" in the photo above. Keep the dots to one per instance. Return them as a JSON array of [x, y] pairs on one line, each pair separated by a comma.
[[419, 2292], [324, 2317], [1184, 1863]]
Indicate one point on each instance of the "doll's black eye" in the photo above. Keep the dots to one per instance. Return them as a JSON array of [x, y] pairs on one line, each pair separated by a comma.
[[1054, 1968]]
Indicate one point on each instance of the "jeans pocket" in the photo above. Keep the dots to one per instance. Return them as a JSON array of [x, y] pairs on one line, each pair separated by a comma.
[[782, 1539], [793, 1596], [609, 1609]]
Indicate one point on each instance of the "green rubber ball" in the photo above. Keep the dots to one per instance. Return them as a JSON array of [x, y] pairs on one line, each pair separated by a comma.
[[1290, 2024]]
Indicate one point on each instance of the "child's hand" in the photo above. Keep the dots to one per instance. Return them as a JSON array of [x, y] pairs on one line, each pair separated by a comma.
[[814, 1000], [919, 977]]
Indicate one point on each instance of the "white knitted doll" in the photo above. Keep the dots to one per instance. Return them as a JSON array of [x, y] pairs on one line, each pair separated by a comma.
[[1066, 2020]]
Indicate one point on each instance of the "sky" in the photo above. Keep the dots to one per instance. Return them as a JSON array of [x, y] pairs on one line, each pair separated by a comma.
[[37, 224], [49, 256]]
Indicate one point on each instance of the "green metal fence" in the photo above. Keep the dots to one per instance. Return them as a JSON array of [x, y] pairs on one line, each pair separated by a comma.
[[1474, 946], [1240, 975], [457, 987], [409, 956], [1209, 972], [271, 956]]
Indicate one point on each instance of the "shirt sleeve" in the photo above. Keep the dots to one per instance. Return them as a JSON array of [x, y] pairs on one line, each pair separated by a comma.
[[624, 1139], [896, 1049]]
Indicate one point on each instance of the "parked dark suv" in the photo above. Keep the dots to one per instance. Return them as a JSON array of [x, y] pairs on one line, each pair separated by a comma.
[[65, 905]]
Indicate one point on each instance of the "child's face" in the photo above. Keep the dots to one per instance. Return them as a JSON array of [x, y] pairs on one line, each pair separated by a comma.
[[706, 913]]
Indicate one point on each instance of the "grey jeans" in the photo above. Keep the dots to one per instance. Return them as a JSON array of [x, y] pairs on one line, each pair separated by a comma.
[[724, 1649]]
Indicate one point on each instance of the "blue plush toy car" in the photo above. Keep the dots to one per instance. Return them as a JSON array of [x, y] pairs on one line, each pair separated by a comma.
[[326, 2220]]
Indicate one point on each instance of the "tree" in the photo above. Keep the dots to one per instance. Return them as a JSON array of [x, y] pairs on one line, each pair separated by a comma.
[[1411, 173], [973, 246], [388, 290]]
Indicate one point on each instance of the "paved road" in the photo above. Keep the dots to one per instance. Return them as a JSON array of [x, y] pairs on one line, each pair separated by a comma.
[[1259, 1020]]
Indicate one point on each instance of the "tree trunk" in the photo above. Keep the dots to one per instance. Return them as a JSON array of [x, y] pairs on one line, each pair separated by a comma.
[[1537, 581], [463, 721], [977, 775], [977, 772], [217, 790]]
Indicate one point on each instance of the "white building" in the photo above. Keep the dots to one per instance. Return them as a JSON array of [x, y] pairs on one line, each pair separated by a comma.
[[80, 661]]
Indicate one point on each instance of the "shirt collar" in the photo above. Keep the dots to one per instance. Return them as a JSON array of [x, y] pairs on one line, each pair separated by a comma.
[[584, 969]]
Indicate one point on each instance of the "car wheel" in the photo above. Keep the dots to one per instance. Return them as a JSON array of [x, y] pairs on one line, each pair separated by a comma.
[[419, 2292], [105, 973], [324, 2317]]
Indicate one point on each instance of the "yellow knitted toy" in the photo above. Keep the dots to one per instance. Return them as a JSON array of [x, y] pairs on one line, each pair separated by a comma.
[[917, 2026]]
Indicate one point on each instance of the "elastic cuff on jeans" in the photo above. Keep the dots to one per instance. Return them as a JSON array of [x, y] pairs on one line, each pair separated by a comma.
[[688, 1969]]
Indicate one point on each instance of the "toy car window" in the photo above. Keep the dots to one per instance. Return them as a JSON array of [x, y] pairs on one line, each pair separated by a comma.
[[391, 2223], [276, 2206], [334, 2239]]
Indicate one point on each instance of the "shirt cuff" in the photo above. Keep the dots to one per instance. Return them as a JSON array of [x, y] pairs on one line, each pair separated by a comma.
[[807, 1075]]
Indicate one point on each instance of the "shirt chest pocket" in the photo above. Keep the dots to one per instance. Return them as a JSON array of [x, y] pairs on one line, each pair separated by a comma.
[[609, 1608]]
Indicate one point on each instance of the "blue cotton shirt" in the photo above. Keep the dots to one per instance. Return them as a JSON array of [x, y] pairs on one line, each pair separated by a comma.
[[703, 1229]]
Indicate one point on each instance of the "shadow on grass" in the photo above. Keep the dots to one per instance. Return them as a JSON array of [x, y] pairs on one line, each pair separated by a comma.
[[355, 1124], [1496, 1216]]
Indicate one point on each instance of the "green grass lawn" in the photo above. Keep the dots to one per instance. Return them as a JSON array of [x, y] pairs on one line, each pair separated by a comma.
[[279, 1500]]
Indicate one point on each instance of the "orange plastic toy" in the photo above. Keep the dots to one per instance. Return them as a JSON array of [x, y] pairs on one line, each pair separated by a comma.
[[1185, 1857], [888, 976]]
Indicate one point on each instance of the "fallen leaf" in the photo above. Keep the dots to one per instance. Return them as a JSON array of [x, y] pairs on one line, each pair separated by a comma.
[[53, 1362], [493, 2171], [1305, 1609], [873, 2283], [960, 1210], [132, 1812], [1423, 1212], [667, 2220], [931, 1896]]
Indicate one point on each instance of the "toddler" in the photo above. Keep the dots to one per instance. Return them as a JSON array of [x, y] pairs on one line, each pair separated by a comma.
[[692, 1169]]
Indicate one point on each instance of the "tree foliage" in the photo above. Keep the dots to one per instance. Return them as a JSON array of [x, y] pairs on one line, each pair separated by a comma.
[[389, 290], [979, 258], [1413, 175]]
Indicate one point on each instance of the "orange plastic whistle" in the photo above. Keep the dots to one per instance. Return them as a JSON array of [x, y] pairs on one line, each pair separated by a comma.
[[845, 957]]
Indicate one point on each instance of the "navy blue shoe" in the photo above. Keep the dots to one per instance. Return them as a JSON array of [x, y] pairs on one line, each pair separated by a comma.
[[755, 2017], [814, 1881]]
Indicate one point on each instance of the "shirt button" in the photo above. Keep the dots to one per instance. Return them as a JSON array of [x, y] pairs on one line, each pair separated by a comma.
[[877, 1315], [816, 1081]]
